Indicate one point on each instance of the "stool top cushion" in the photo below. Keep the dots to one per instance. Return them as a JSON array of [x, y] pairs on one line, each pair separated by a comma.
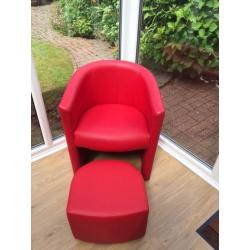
[[107, 188], [112, 127]]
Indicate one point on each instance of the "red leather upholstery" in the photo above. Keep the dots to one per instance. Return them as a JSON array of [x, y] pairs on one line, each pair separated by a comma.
[[122, 85], [126, 124], [107, 202]]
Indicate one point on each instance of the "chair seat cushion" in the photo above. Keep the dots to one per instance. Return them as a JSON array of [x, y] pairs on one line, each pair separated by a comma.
[[112, 127], [107, 202]]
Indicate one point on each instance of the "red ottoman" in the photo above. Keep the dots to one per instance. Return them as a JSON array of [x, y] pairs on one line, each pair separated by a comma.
[[107, 202]]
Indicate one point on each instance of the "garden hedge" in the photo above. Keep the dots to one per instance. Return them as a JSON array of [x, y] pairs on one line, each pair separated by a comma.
[[180, 35]]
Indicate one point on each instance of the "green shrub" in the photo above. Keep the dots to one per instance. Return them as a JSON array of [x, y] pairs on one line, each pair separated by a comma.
[[77, 16], [82, 27], [183, 35], [89, 19], [57, 19], [106, 14]]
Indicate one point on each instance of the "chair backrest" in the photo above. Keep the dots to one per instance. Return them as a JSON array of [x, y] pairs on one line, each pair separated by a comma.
[[119, 82]]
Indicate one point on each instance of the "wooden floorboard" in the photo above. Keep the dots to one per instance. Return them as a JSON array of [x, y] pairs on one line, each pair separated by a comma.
[[179, 201]]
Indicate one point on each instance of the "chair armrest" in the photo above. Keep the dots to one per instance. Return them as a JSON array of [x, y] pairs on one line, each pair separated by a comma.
[[72, 105], [154, 109], [70, 108]]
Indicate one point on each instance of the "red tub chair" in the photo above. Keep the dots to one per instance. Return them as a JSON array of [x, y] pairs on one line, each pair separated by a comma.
[[112, 106]]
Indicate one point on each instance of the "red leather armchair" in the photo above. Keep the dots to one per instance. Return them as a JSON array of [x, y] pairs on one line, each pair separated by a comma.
[[112, 106]]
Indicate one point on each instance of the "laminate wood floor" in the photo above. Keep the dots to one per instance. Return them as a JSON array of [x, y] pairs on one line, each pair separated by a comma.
[[179, 203]]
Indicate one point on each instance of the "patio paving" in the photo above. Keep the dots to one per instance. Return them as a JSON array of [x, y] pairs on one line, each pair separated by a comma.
[[192, 116], [191, 105]]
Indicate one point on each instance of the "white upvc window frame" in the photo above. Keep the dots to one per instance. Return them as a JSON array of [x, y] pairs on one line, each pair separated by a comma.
[[130, 15], [130, 12], [40, 107], [49, 146]]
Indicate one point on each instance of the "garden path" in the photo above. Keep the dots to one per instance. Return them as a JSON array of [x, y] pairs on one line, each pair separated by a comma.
[[81, 50]]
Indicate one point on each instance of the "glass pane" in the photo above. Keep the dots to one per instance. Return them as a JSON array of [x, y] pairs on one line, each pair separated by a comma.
[[36, 134], [179, 44], [65, 36]]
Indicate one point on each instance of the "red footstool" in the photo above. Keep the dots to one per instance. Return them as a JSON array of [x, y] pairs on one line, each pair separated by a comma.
[[107, 202]]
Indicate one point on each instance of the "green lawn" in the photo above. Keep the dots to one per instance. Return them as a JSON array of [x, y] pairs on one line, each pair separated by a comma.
[[54, 68]]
